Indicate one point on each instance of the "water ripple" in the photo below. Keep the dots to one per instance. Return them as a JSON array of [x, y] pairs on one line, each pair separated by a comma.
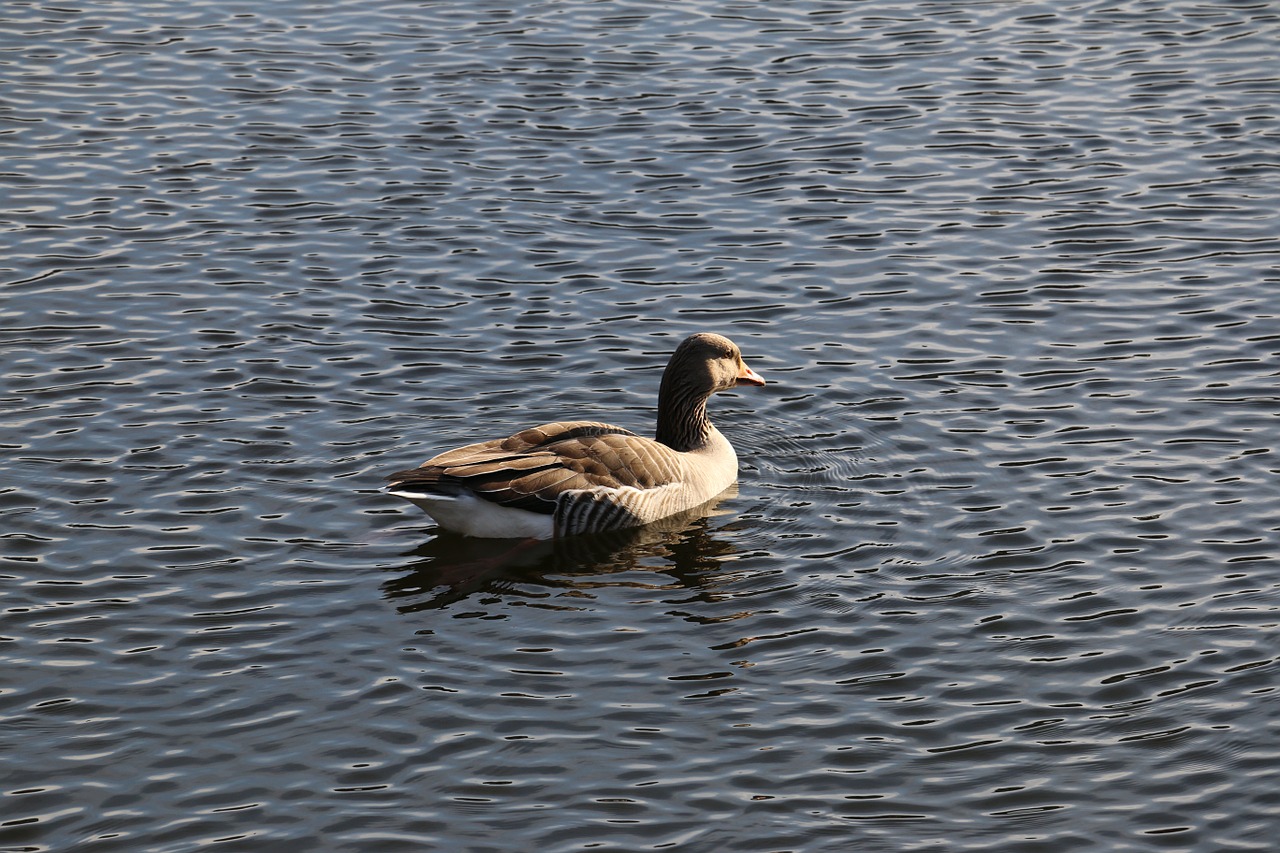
[[1000, 569]]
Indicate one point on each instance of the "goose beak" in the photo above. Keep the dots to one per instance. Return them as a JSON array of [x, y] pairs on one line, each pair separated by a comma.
[[747, 376]]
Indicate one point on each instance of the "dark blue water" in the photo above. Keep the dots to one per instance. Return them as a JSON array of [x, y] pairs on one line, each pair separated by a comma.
[[1003, 571]]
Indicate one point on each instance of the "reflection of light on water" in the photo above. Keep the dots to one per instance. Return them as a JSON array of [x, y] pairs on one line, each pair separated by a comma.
[[1007, 520]]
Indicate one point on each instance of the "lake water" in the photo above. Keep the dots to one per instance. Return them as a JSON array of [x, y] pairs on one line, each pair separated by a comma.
[[1003, 569]]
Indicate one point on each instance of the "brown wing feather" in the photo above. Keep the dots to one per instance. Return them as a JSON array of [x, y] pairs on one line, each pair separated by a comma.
[[532, 468]]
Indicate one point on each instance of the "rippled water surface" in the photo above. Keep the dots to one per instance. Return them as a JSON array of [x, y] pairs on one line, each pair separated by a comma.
[[1003, 569]]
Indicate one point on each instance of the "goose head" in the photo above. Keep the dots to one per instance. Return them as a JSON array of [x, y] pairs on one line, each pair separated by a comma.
[[704, 364]]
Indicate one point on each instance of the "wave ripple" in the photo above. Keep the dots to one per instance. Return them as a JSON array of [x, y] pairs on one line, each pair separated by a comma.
[[1001, 572]]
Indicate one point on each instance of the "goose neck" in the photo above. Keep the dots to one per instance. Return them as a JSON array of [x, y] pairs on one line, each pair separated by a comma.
[[683, 424]]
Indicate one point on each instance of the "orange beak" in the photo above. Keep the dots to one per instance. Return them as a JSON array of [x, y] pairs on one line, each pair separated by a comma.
[[747, 376]]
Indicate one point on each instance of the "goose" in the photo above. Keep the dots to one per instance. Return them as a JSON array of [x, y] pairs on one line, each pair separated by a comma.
[[572, 477]]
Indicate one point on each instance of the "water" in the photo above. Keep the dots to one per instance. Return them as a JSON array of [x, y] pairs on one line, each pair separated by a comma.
[[1001, 573]]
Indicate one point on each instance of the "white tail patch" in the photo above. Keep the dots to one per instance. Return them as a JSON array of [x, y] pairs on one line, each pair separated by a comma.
[[474, 516]]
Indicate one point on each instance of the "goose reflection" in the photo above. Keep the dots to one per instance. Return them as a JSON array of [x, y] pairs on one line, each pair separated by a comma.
[[448, 568]]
